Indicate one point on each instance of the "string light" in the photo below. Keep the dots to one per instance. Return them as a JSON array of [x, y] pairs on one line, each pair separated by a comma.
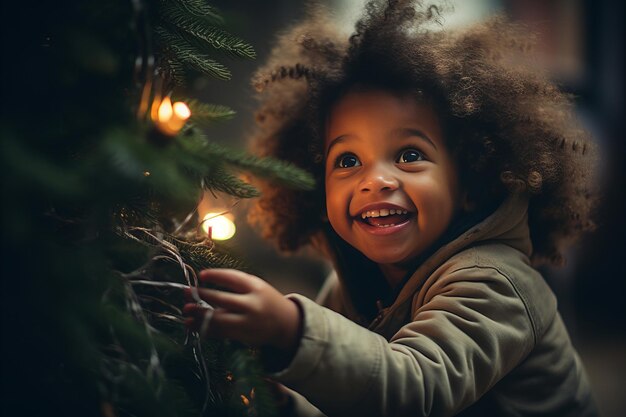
[[168, 118], [219, 224]]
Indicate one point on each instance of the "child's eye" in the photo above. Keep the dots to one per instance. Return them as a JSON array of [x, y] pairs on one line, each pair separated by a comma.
[[410, 155], [347, 160]]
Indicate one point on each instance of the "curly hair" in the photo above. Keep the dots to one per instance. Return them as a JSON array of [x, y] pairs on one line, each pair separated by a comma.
[[509, 128]]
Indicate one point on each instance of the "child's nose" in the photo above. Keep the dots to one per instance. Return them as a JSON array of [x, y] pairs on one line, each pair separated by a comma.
[[378, 180]]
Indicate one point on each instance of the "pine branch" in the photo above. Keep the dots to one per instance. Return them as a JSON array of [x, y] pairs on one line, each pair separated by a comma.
[[208, 35], [127, 159], [282, 172], [274, 169], [189, 55], [206, 114], [221, 180], [201, 9], [270, 168], [175, 70], [201, 256]]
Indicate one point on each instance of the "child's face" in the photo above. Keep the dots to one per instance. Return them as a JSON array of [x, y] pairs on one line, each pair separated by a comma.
[[386, 159]]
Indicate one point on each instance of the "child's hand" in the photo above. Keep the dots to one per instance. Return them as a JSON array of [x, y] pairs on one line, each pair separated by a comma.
[[254, 313]]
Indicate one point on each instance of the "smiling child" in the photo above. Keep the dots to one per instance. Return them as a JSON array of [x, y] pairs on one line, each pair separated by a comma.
[[391, 185], [446, 169]]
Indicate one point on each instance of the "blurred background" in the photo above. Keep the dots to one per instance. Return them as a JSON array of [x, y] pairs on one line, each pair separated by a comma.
[[581, 43]]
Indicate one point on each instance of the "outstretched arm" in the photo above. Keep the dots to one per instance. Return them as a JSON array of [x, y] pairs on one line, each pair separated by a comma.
[[253, 312], [473, 330]]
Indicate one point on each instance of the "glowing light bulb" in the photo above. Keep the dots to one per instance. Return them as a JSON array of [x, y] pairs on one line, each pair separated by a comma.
[[181, 110], [222, 227], [169, 118], [165, 110]]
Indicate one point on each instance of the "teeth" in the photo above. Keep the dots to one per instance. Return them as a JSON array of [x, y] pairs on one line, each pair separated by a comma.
[[382, 213]]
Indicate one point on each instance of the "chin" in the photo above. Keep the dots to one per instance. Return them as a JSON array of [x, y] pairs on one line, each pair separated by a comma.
[[381, 257]]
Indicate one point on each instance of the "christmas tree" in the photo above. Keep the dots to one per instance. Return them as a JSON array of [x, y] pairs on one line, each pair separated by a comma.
[[103, 168]]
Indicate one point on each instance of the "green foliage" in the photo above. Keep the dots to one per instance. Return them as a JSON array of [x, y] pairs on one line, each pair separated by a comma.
[[202, 33], [229, 184], [185, 53], [203, 114], [195, 143], [94, 250], [188, 33], [201, 9]]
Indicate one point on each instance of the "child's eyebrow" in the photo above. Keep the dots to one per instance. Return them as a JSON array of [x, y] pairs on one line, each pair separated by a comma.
[[404, 132], [336, 141]]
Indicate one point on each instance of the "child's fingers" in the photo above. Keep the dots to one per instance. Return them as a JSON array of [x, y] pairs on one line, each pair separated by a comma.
[[193, 310], [226, 325], [232, 279], [222, 324], [197, 315], [227, 300]]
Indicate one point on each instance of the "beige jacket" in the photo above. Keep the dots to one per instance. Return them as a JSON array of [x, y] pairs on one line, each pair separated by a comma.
[[474, 331]]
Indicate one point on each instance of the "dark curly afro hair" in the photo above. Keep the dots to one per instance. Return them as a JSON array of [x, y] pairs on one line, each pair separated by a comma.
[[509, 128]]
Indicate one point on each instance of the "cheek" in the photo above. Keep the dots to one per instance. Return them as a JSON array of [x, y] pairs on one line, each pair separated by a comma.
[[333, 203], [337, 203], [436, 198]]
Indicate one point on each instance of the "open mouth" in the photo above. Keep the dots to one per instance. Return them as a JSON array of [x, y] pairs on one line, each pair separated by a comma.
[[384, 217]]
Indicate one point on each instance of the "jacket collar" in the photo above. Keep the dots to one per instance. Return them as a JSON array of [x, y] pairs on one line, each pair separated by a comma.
[[508, 225]]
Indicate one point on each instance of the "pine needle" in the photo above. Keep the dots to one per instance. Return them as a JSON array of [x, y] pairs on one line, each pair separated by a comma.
[[222, 180], [269, 168], [190, 56], [209, 35], [207, 114], [175, 70], [201, 9]]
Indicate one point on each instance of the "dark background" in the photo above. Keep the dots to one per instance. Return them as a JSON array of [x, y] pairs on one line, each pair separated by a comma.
[[581, 43]]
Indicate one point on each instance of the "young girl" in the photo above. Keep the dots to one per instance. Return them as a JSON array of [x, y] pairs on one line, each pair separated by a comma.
[[444, 167]]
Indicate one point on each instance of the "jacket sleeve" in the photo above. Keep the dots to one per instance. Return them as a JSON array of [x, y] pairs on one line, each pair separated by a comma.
[[471, 330]]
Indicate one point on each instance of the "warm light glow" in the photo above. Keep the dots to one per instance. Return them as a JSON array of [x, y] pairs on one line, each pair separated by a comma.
[[170, 119], [222, 228], [165, 110], [181, 110]]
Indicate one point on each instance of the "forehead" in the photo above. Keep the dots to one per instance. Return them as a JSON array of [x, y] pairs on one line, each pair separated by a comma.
[[380, 111]]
